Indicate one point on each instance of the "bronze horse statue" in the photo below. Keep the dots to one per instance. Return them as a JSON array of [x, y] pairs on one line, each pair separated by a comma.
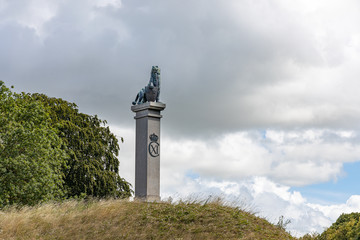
[[151, 92]]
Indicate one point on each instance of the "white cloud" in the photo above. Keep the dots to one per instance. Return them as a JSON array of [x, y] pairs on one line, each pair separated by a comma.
[[260, 195], [32, 14], [127, 152], [276, 64], [267, 199], [290, 157], [228, 67], [334, 211], [106, 3], [3, 4], [255, 170]]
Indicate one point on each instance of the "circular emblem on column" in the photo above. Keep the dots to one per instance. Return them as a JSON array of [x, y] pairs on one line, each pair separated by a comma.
[[154, 146]]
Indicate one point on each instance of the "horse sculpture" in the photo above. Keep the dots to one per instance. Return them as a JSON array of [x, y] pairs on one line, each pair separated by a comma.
[[151, 92]]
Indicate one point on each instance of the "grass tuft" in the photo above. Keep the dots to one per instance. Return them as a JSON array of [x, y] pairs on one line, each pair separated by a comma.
[[120, 219]]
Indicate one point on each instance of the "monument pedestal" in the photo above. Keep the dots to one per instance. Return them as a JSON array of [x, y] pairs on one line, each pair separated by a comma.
[[147, 150]]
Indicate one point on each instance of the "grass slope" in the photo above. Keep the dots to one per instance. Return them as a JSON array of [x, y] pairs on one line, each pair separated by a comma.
[[113, 219]]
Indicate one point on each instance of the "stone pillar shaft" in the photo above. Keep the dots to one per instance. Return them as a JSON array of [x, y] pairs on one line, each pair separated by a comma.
[[147, 150]]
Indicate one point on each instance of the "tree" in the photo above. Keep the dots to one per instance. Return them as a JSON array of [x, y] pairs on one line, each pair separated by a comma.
[[48, 150], [31, 158], [92, 150], [347, 226]]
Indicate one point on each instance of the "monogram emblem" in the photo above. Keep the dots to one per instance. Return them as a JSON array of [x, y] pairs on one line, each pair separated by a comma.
[[154, 146]]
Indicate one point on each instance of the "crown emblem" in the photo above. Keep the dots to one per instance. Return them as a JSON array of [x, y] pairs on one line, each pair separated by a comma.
[[153, 137]]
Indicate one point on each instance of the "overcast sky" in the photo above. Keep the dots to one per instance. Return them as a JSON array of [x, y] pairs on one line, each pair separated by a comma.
[[262, 96]]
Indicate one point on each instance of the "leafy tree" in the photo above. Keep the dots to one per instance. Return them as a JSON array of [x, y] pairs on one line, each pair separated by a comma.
[[347, 226], [48, 150], [92, 150], [31, 158]]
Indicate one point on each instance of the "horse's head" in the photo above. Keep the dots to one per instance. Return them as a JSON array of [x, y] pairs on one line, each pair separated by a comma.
[[155, 76], [155, 70]]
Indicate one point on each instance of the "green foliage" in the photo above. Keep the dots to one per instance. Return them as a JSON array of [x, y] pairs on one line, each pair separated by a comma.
[[346, 227], [48, 150], [31, 158], [92, 163]]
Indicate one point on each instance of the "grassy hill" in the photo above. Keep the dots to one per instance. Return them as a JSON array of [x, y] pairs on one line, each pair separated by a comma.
[[114, 219]]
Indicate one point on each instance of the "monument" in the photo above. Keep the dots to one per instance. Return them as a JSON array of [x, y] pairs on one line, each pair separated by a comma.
[[147, 144]]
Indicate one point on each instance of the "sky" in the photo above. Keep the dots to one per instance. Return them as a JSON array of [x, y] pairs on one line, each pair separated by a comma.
[[262, 103]]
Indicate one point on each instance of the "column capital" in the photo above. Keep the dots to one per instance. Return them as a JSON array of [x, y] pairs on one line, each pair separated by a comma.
[[148, 109], [159, 106]]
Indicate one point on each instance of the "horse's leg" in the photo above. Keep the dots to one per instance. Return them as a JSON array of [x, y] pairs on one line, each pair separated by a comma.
[[141, 97], [137, 97], [158, 95]]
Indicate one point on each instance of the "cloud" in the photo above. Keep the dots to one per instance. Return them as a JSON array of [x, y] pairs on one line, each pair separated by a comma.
[[334, 211], [225, 66], [32, 14], [254, 170], [266, 91], [295, 158], [108, 3], [260, 195], [267, 199]]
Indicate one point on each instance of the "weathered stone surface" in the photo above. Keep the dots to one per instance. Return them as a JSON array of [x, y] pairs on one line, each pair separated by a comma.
[[147, 152]]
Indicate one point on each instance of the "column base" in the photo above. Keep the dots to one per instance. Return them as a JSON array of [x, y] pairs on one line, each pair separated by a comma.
[[148, 199]]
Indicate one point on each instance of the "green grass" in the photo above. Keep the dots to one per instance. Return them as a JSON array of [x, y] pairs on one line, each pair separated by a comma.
[[115, 219]]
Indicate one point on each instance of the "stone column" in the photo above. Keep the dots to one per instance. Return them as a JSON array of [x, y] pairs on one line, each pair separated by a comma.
[[147, 150]]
